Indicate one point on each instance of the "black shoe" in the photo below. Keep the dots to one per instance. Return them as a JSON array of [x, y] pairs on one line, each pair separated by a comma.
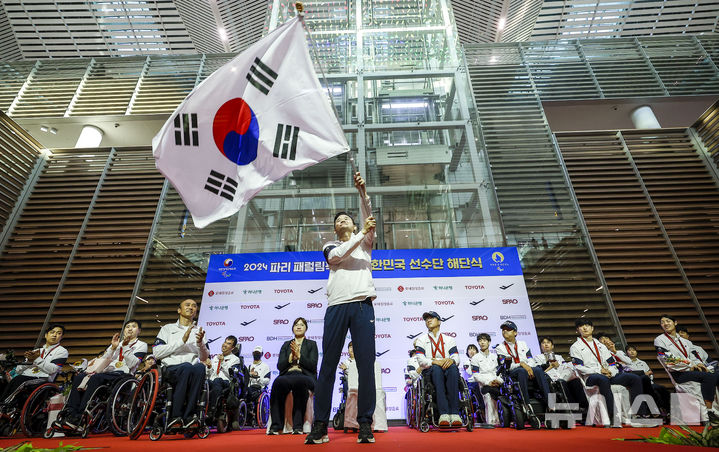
[[365, 433], [193, 422], [297, 431], [274, 430], [318, 435]]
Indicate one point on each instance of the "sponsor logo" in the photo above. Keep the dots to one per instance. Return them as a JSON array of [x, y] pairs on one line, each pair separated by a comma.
[[506, 287], [410, 288], [246, 339], [413, 319], [314, 305], [214, 323], [211, 293], [491, 334], [249, 306], [444, 319], [315, 338], [281, 322], [315, 320], [278, 338], [477, 318], [475, 303], [391, 389], [474, 287], [512, 317], [383, 289], [280, 306], [247, 323], [284, 291], [510, 301], [383, 336], [220, 292], [314, 290], [443, 302], [219, 308], [386, 370], [378, 354], [498, 257], [498, 261], [450, 334], [383, 303], [412, 336], [228, 263], [523, 333], [268, 355]]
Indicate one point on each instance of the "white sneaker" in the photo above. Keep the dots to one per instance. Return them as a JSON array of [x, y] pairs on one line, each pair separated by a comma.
[[444, 420], [456, 420]]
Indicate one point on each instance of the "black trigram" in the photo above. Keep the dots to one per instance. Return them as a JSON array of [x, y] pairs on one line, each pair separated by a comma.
[[222, 185], [186, 133], [286, 141], [261, 76]]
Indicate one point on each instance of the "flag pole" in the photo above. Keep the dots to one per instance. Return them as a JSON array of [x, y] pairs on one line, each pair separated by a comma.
[[301, 14]]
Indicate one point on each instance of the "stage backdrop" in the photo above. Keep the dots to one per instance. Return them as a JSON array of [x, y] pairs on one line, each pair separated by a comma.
[[257, 296]]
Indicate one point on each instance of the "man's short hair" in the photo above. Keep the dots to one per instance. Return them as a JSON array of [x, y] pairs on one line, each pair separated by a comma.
[[337, 215], [471, 346], [583, 321], [484, 336], [670, 317], [135, 321], [546, 338], [233, 339], [682, 329], [52, 326]]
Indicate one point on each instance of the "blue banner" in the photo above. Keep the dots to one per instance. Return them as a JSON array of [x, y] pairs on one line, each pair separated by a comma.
[[415, 263]]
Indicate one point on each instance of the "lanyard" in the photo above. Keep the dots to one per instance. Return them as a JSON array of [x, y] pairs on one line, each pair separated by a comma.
[[131, 345], [219, 364], [437, 347], [509, 350], [598, 356], [42, 354], [683, 349]]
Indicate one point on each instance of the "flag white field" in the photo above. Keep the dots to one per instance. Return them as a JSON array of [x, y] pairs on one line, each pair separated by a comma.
[[250, 123]]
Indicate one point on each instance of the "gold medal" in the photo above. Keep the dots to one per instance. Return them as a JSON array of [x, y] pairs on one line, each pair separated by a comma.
[[35, 370], [119, 364]]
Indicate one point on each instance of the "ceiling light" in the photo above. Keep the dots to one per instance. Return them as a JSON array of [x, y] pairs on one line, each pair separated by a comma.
[[502, 22], [223, 34]]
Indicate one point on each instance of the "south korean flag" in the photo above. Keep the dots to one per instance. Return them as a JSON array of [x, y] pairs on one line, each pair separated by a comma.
[[250, 123]]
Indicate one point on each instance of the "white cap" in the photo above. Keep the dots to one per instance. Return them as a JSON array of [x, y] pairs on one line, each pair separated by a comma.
[[258, 349]]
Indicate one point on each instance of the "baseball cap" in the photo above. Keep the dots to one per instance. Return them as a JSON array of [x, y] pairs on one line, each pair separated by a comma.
[[509, 325], [428, 314], [258, 349]]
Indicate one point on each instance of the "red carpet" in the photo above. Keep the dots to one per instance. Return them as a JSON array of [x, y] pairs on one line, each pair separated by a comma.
[[581, 439]]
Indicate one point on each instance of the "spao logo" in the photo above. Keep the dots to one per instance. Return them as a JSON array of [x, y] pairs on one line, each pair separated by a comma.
[[386, 371], [281, 322], [510, 301], [246, 339], [228, 262], [314, 305], [478, 318]]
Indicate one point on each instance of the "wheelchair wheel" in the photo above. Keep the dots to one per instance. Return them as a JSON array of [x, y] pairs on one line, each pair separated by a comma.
[[118, 406], [424, 426], [338, 420], [33, 419], [222, 422], [203, 432], [48, 433], [519, 418], [263, 410], [242, 414], [96, 410], [155, 433], [142, 404]]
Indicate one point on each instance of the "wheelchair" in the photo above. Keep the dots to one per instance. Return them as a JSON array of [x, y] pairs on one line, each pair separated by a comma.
[[477, 402], [98, 414], [151, 405], [511, 406], [426, 412], [231, 410], [410, 401]]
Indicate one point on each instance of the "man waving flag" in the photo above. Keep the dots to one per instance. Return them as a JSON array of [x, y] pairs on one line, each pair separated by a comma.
[[248, 124]]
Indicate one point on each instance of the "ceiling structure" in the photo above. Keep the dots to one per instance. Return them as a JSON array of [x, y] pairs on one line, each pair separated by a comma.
[[34, 29]]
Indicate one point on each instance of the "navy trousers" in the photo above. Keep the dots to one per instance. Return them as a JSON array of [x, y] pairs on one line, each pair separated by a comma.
[[522, 377], [187, 381], [358, 318], [77, 400], [446, 383], [709, 381], [630, 381], [217, 387]]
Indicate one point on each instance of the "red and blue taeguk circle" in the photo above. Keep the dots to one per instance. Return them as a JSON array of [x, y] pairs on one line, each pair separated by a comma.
[[236, 131]]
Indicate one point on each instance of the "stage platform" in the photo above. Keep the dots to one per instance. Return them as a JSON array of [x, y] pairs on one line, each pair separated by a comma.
[[397, 439]]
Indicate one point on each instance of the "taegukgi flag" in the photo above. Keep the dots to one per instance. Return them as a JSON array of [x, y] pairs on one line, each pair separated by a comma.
[[248, 124]]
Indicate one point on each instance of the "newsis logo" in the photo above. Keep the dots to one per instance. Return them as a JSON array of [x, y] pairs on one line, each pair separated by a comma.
[[498, 261], [214, 323], [249, 306]]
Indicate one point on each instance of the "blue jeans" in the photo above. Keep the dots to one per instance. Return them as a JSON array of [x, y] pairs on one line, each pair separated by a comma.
[[446, 383], [358, 318]]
